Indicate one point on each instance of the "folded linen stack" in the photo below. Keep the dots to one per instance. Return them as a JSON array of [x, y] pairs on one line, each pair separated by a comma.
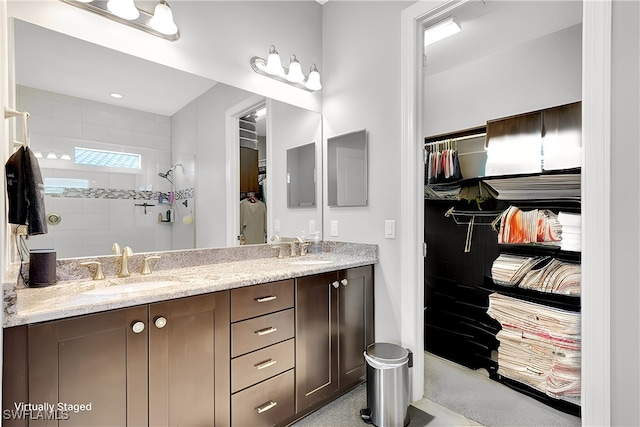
[[540, 273], [571, 231], [539, 346]]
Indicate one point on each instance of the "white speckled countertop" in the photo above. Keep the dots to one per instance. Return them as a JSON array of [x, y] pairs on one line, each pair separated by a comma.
[[178, 274]]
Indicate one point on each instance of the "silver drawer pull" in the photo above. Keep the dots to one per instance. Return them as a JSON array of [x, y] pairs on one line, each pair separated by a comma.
[[266, 299], [266, 364], [266, 331], [266, 406]]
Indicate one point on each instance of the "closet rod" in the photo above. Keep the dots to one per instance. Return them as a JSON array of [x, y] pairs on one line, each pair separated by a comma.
[[462, 138]]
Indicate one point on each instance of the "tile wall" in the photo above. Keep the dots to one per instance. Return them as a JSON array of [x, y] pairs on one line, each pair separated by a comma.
[[92, 220]]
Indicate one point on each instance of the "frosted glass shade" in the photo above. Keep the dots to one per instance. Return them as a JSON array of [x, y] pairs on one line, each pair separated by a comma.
[[295, 71], [274, 66], [313, 82], [162, 20], [124, 9]]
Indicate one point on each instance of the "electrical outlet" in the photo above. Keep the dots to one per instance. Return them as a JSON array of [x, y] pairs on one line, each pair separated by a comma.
[[276, 225], [312, 227], [334, 228]]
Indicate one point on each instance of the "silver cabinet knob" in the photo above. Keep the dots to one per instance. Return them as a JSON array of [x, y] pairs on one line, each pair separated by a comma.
[[336, 284], [160, 322], [137, 327], [344, 282]]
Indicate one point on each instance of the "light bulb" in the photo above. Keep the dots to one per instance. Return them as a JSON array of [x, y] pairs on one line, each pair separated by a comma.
[[313, 82], [295, 70], [162, 20], [274, 66], [125, 9]]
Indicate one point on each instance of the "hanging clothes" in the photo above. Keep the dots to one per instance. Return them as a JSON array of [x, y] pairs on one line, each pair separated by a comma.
[[25, 191], [253, 221], [443, 164]]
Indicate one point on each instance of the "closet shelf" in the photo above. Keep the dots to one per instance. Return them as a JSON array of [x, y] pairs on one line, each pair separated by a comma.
[[565, 302]]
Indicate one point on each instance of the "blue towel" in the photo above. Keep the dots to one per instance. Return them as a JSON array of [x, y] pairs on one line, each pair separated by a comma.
[[25, 191]]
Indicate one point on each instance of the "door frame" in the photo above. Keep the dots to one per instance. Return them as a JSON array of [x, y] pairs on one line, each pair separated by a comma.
[[232, 115], [596, 135]]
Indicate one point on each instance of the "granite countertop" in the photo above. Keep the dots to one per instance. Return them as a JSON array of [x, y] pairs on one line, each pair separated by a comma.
[[207, 271]]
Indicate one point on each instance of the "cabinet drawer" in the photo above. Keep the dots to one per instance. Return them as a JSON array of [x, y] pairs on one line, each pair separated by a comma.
[[265, 404], [254, 367], [253, 301], [259, 332]]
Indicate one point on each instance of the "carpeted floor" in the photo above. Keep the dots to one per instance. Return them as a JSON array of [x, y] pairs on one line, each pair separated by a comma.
[[475, 396]]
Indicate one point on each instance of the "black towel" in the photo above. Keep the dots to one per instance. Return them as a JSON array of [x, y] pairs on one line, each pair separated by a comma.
[[25, 191]]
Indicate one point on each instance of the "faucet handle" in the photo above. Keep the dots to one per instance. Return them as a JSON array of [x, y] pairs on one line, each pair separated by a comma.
[[127, 250], [115, 248], [278, 250], [304, 247], [99, 274], [145, 265]]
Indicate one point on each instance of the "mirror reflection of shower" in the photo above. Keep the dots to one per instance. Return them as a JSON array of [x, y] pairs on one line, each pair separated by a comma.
[[167, 175]]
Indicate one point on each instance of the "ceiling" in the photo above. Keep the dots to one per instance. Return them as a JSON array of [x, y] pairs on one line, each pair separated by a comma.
[[491, 26], [55, 62]]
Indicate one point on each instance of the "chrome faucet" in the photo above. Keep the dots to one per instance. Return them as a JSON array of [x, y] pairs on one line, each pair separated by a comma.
[[296, 241], [124, 266]]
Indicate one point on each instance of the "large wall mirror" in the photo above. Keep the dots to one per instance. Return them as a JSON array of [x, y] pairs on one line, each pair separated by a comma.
[[147, 170]]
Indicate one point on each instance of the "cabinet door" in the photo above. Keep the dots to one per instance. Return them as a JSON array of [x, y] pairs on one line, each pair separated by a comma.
[[96, 359], [189, 379], [355, 324], [316, 339], [248, 170]]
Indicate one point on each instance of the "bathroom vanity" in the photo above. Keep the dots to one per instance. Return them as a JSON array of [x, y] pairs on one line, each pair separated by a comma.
[[244, 342]]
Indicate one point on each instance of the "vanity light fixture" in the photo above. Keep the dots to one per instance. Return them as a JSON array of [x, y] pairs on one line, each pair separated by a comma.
[[160, 23], [294, 76], [52, 155], [441, 30], [116, 95], [65, 156]]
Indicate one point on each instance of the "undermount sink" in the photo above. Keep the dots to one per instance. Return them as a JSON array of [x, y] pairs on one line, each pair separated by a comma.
[[128, 288], [310, 262]]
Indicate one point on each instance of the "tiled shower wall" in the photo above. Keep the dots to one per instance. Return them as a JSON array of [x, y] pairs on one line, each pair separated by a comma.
[[93, 220]]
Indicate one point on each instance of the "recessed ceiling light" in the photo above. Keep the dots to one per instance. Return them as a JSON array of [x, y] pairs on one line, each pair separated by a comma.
[[116, 95]]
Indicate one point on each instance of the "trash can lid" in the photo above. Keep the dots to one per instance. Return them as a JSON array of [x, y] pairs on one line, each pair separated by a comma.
[[384, 352]]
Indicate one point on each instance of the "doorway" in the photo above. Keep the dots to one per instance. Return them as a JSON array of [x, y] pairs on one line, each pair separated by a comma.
[[596, 145]]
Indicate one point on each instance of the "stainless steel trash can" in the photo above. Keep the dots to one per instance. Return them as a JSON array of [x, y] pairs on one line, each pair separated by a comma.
[[387, 384]]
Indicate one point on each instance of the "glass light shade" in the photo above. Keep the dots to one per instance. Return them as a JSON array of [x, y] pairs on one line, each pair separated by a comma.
[[38, 154], [162, 20], [441, 30], [52, 155], [124, 9], [313, 82], [295, 71], [274, 66], [65, 156]]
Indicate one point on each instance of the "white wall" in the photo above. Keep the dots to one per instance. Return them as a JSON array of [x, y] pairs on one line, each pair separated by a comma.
[[625, 230], [539, 74], [91, 223], [361, 52], [217, 38]]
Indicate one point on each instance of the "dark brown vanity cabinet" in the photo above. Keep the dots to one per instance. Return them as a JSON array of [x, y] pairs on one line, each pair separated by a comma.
[[159, 364], [334, 325]]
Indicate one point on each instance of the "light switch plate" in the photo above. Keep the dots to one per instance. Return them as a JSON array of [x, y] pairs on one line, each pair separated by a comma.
[[312, 227], [334, 228], [389, 229], [276, 225]]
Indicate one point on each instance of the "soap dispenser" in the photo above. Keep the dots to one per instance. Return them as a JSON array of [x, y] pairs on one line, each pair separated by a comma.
[[316, 246]]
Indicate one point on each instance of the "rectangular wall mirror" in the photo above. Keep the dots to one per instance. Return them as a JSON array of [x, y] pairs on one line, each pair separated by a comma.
[[301, 176], [347, 169]]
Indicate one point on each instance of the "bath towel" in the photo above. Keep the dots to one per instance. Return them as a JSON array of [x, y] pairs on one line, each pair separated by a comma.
[[25, 191]]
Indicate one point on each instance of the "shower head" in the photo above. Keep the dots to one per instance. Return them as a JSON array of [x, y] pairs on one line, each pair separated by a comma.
[[167, 175]]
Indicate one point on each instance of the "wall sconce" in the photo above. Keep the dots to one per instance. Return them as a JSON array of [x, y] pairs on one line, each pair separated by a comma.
[[160, 23], [441, 30], [294, 76]]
